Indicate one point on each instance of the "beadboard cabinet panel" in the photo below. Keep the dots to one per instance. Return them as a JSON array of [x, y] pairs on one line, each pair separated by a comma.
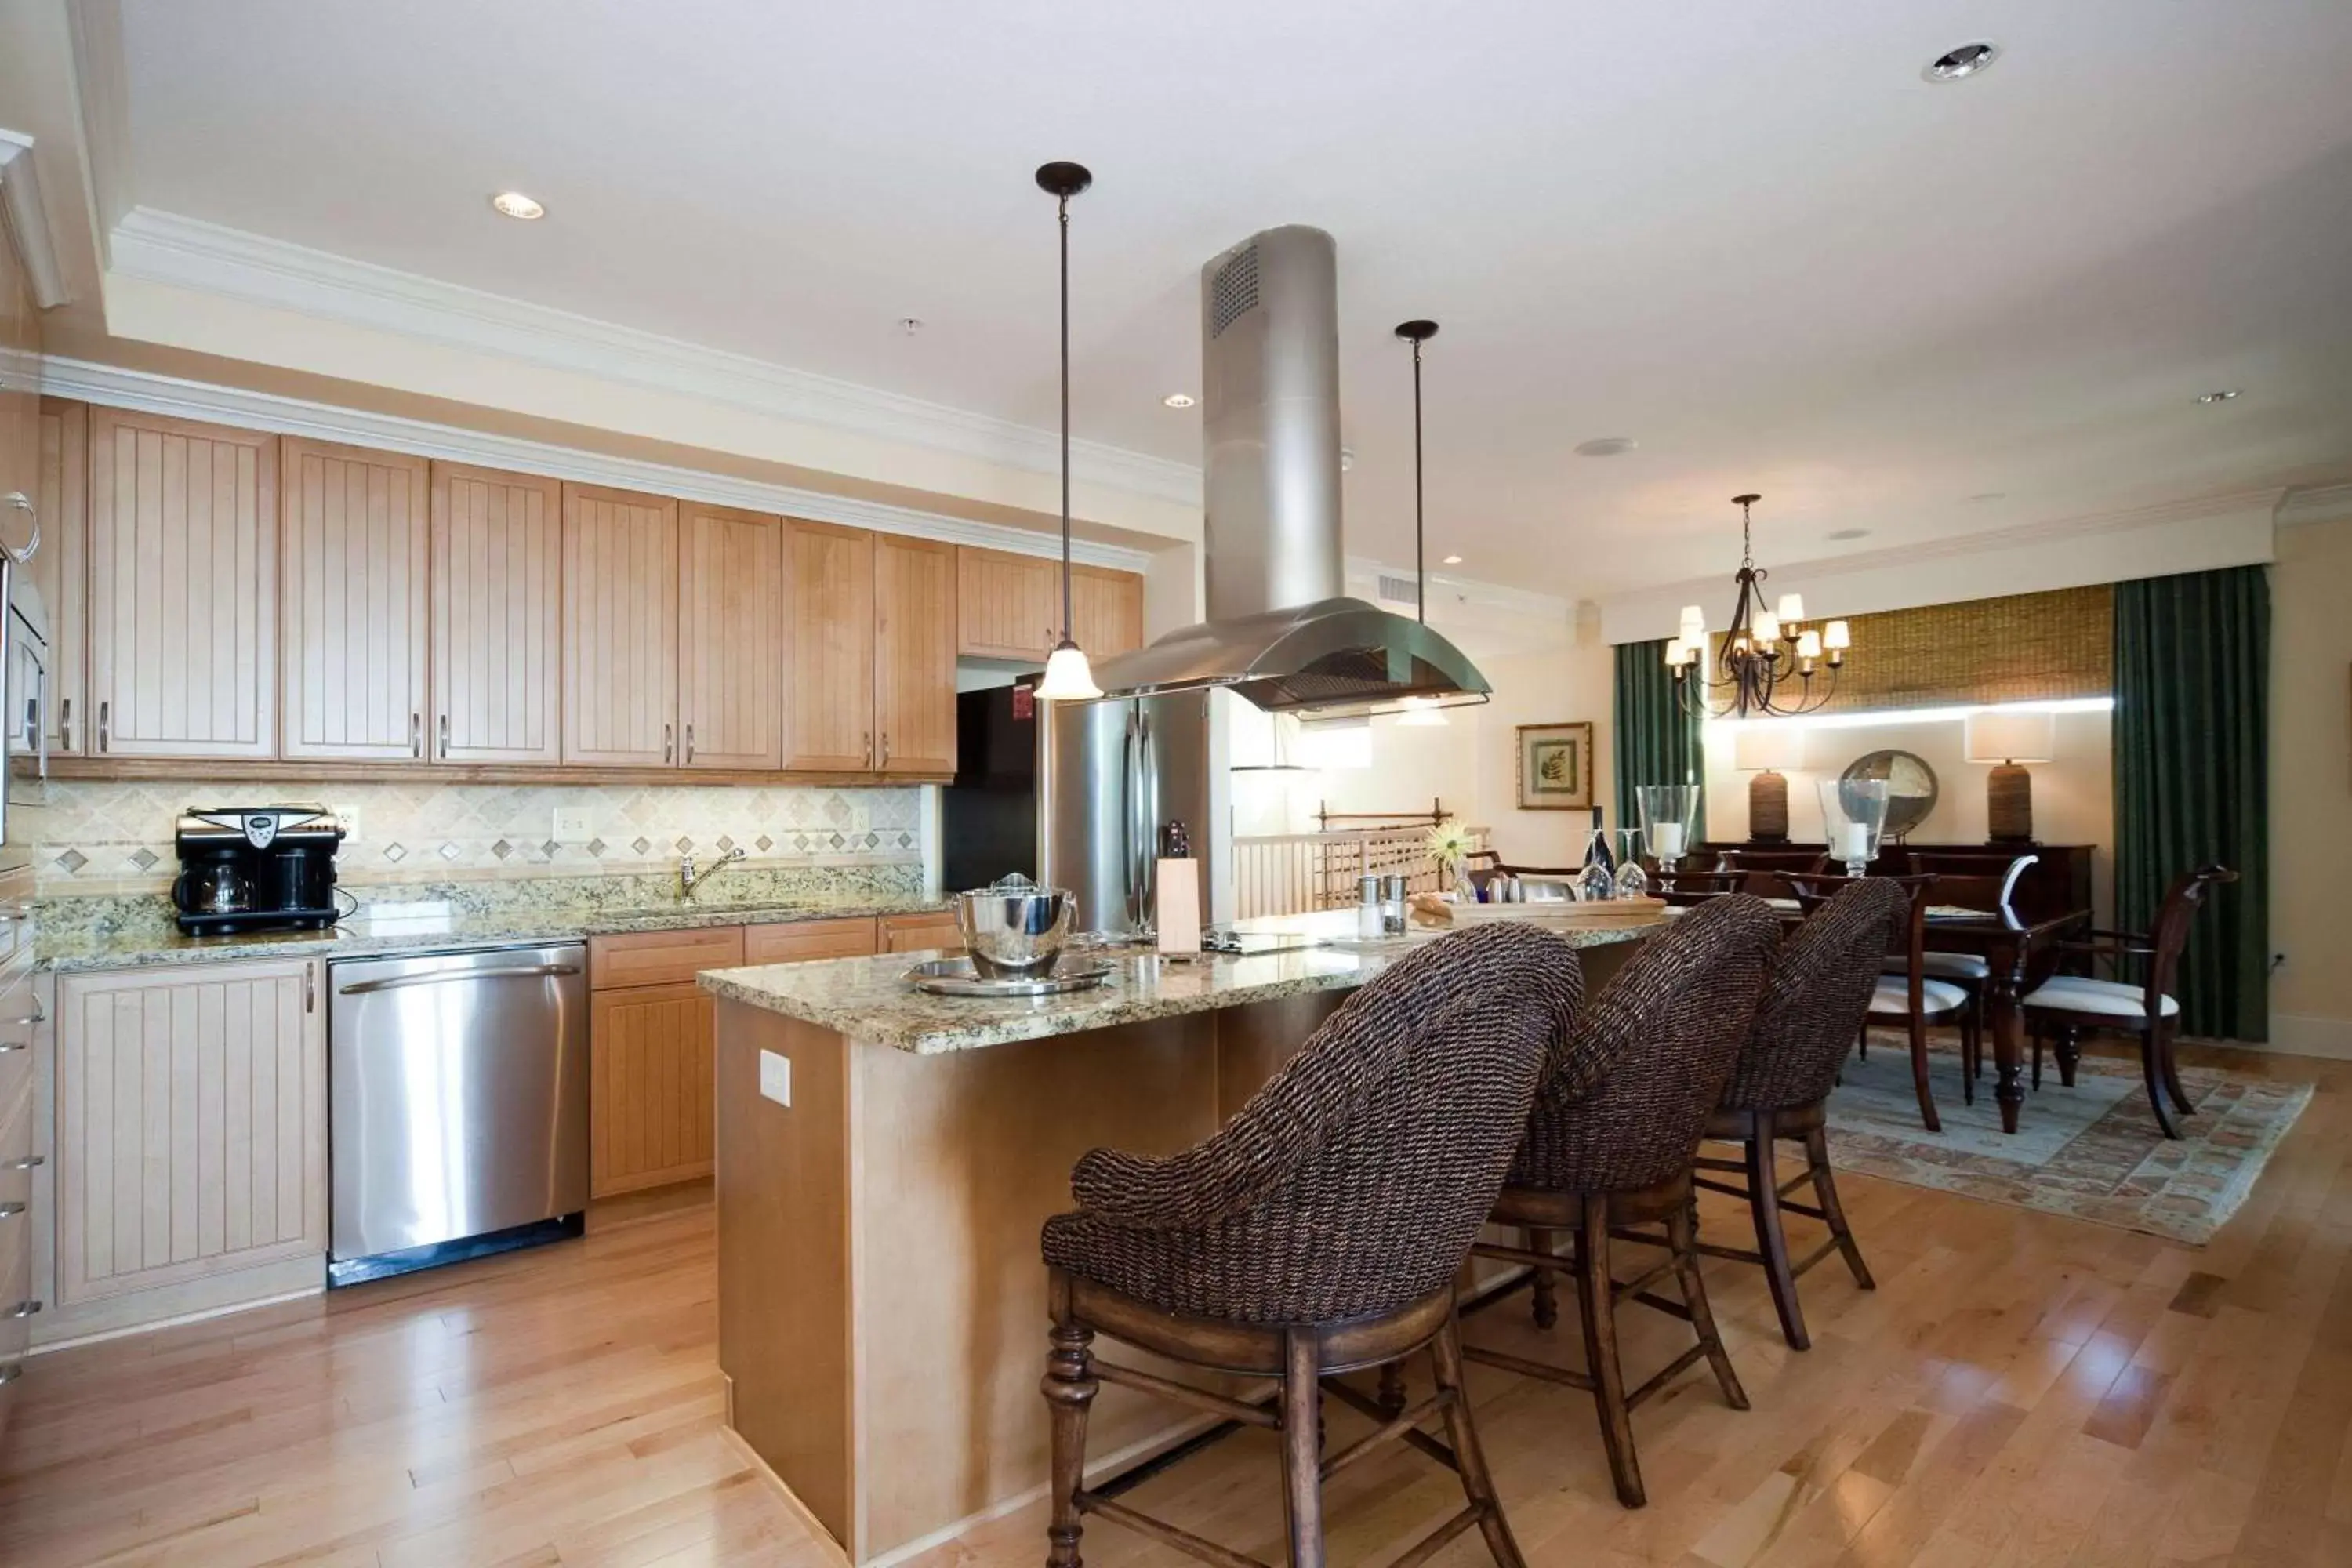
[[183, 588], [1106, 610], [829, 647], [620, 628], [191, 1124], [1007, 605], [914, 656], [61, 566], [498, 617], [651, 1054], [730, 638], [354, 540]]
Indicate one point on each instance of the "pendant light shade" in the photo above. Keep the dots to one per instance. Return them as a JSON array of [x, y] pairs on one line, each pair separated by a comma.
[[1420, 712], [1068, 677]]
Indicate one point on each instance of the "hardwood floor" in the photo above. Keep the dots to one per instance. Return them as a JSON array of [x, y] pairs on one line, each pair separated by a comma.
[[2020, 1389]]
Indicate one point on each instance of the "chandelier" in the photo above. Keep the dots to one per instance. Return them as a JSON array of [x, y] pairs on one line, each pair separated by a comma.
[[1766, 665]]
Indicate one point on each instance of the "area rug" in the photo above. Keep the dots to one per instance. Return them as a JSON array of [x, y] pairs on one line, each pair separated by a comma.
[[2093, 1152]]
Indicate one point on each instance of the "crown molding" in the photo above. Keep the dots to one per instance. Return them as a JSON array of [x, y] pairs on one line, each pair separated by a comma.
[[2316, 503], [189, 253], [178, 398]]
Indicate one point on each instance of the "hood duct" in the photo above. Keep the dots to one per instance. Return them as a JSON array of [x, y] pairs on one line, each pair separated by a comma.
[[1280, 631]]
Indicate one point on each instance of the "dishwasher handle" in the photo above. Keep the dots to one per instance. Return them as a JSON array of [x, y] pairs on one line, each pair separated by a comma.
[[447, 976]]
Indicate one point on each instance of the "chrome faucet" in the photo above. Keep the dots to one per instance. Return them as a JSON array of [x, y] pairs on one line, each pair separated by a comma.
[[689, 878]]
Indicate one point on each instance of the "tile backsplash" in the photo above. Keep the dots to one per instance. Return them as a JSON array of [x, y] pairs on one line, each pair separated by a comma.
[[106, 837]]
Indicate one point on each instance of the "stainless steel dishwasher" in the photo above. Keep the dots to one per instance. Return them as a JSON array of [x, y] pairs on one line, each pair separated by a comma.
[[457, 1087]]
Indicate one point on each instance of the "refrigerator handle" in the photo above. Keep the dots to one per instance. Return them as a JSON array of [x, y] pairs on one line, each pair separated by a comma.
[[1146, 824]]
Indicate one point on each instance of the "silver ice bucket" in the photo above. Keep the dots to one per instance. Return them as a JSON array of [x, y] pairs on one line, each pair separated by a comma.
[[1014, 928]]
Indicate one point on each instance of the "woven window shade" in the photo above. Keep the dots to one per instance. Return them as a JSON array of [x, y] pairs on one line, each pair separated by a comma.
[[2021, 647]]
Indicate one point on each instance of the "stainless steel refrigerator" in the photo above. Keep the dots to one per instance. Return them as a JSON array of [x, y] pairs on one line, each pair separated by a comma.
[[1110, 776]]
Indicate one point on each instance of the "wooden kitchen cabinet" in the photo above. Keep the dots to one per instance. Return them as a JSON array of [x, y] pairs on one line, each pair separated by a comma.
[[1106, 610], [498, 617], [730, 638], [805, 940], [829, 647], [650, 1052], [61, 566], [355, 542], [620, 628], [1007, 605], [914, 656], [183, 588], [912, 933], [191, 1124]]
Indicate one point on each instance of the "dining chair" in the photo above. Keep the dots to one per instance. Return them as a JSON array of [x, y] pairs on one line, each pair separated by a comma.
[[1822, 981], [1609, 1145], [1766, 871], [1907, 996], [1971, 879], [1318, 1232], [2073, 1005]]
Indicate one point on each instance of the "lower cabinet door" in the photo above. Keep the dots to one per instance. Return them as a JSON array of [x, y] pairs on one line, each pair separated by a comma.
[[191, 1124], [650, 1086]]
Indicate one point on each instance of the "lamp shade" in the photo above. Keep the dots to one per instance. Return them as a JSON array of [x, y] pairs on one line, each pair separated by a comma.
[[2000, 736], [1775, 743]]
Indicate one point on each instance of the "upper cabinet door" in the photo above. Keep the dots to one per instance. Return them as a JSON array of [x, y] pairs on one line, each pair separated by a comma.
[[353, 536], [620, 628], [829, 647], [914, 656], [498, 607], [1106, 610], [730, 638], [1007, 605], [61, 567], [182, 589]]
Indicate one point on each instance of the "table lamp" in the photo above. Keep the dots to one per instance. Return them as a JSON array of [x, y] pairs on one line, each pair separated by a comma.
[[2006, 740], [1764, 749]]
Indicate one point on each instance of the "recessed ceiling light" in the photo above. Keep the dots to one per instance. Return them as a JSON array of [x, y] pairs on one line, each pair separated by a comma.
[[1846, 534], [1451, 561], [1605, 446], [1959, 65], [1179, 400], [514, 204], [1347, 458], [2224, 395]]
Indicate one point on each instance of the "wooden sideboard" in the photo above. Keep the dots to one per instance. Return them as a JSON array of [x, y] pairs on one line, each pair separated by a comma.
[[2058, 882]]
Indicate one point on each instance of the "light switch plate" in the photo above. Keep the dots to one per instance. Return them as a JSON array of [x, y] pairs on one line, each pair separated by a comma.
[[571, 822], [776, 1078]]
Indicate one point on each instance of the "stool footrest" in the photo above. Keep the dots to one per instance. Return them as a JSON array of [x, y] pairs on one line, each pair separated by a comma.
[[1166, 1534], [1363, 1406], [1185, 1394], [1431, 1545], [1401, 1427]]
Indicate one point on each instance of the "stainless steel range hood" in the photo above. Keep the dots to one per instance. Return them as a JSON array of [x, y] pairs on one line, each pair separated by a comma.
[[1280, 632]]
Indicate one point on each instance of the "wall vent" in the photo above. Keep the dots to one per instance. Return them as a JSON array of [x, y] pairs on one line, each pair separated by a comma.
[[1399, 590], [1234, 293]]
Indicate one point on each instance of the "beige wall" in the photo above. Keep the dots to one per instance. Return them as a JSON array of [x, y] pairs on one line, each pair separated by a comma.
[[2311, 788]]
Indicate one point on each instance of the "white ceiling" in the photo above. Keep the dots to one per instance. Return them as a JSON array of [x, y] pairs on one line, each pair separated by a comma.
[[1751, 237]]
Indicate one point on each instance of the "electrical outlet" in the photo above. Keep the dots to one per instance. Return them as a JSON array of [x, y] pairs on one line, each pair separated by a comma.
[[349, 816], [571, 822], [776, 1078]]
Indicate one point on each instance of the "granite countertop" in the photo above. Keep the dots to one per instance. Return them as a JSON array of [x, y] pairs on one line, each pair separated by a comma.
[[367, 936], [870, 999]]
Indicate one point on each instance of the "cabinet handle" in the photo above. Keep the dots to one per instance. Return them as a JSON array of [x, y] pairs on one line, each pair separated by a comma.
[[7, 1045], [417, 735], [22, 1310], [11, 1371], [104, 712], [11, 1210], [669, 747], [689, 743], [26, 1163], [445, 737], [35, 1017], [65, 723], [866, 740], [886, 748], [310, 988], [22, 503]]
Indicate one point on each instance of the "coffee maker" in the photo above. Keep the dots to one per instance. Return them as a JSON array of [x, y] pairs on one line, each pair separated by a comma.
[[256, 868]]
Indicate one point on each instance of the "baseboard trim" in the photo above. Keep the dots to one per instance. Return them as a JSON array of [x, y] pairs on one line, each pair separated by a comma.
[[2302, 1034]]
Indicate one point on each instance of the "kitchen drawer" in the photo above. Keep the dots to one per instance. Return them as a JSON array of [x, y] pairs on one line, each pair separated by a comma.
[[16, 916], [661, 957], [912, 933], [808, 939]]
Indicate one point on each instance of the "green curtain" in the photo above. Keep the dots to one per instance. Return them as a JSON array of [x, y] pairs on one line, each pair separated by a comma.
[[2192, 774], [1655, 742]]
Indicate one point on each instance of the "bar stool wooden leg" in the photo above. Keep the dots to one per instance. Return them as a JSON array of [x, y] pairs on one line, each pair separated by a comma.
[[1469, 1458], [1543, 1293], [2162, 1035], [1817, 1157], [1596, 1298], [1391, 1399], [1070, 1388], [1684, 1244], [1771, 1234], [1302, 1456]]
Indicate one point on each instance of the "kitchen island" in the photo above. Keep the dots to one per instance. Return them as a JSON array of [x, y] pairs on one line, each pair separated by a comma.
[[884, 1161]]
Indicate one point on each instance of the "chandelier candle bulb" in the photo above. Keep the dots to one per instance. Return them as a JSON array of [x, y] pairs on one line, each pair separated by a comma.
[[1694, 622], [1836, 638], [1767, 627], [1792, 606], [1808, 646]]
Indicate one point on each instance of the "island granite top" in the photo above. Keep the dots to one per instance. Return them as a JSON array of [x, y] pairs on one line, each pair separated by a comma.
[[871, 999]]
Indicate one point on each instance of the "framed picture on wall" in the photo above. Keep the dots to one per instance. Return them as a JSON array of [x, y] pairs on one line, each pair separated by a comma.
[[1556, 767]]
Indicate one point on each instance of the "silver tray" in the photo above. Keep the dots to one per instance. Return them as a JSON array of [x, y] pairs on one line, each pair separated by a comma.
[[957, 977]]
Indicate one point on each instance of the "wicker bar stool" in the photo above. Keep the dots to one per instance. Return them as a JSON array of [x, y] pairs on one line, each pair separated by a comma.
[[1609, 1147], [1814, 1005], [1317, 1232]]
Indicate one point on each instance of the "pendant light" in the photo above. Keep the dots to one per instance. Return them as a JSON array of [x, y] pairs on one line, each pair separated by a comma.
[[1420, 712], [1069, 677]]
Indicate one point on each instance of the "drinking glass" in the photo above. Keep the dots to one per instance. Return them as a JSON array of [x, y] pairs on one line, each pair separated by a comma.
[[1633, 882], [1596, 882], [1854, 816], [1669, 816]]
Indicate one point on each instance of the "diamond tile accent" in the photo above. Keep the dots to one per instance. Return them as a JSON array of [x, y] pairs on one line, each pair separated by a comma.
[[549, 848], [725, 844], [685, 846], [145, 860], [838, 841], [394, 852], [501, 849], [73, 861], [642, 845], [450, 851], [765, 843], [595, 847]]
